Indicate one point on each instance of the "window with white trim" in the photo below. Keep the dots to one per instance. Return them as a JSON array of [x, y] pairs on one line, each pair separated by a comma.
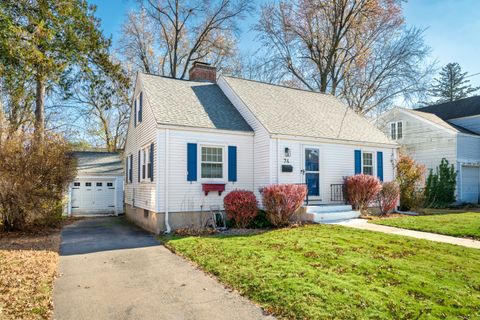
[[145, 163], [396, 130], [367, 163], [129, 168], [211, 162]]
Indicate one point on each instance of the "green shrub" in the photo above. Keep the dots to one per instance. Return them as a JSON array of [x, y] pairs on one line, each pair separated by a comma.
[[411, 179], [33, 179], [440, 186], [260, 221]]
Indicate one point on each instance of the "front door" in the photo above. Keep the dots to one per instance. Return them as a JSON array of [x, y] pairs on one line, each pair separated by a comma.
[[312, 171]]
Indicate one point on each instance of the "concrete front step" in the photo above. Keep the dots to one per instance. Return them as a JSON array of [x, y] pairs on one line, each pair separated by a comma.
[[327, 208], [327, 213], [334, 216]]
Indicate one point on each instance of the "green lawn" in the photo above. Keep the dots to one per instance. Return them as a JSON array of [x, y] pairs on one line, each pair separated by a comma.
[[327, 271], [466, 225]]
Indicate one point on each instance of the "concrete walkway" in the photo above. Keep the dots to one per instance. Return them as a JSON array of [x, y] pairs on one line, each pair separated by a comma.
[[110, 269], [363, 224]]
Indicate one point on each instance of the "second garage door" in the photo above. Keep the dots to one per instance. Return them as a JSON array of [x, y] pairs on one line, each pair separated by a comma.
[[93, 197], [470, 184]]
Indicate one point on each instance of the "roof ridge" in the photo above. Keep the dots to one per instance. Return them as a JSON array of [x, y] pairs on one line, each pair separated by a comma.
[[279, 85]]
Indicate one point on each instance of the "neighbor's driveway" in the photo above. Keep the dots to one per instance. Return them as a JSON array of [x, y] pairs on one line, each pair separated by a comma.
[[110, 269]]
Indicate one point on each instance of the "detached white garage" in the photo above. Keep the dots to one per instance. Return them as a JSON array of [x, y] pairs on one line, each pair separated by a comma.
[[98, 187]]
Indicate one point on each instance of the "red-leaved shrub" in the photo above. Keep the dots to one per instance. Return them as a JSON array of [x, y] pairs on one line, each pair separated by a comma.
[[281, 201], [241, 207], [388, 197], [360, 190]]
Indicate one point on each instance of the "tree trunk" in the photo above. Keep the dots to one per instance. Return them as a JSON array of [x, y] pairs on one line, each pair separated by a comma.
[[40, 108]]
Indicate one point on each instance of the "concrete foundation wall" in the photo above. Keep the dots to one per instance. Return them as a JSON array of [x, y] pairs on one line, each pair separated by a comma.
[[155, 221]]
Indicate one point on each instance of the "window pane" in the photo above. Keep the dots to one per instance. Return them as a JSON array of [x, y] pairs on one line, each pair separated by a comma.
[[212, 170], [367, 159], [393, 131], [368, 170], [399, 130], [311, 159]]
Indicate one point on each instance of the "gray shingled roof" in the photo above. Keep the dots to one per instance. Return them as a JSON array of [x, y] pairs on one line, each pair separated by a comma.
[[455, 109], [288, 111], [98, 163], [190, 103], [439, 121]]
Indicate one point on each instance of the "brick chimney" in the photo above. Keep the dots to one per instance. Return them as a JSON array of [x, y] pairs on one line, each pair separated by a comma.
[[202, 71]]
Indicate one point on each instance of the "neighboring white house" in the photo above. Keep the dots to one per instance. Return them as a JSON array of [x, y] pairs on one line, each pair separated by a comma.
[[98, 186], [191, 142], [449, 130]]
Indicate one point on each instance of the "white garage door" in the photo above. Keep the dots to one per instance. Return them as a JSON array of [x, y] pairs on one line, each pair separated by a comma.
[[93, 197], [470, 182]]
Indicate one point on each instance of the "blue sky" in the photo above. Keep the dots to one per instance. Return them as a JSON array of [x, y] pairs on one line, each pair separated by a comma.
[[452, 28]]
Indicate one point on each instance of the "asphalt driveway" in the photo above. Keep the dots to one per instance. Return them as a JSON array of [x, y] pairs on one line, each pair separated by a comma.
[[110, 269]]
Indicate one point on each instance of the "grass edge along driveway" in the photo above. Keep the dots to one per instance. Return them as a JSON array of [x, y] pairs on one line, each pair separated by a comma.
[[327, 271], [464, 225]]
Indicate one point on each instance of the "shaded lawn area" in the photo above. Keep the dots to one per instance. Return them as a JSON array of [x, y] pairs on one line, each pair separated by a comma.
[[465, 225], [328, 271], [28, 265]]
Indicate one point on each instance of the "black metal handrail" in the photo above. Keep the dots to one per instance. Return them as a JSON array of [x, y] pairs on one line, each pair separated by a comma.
[[336, 192]]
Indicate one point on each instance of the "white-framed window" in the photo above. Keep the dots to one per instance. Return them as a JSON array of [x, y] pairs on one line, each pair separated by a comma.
[[145, 163], [396, 130], [212, 162], [367, 163], [139, 101], [129, 168]]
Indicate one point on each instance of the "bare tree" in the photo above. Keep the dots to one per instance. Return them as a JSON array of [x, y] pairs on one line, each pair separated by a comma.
[[137, 44], [102, 101], [167, 36], [349, 48]]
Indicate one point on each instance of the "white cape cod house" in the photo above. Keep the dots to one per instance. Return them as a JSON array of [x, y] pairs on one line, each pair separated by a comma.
[[191, 142]]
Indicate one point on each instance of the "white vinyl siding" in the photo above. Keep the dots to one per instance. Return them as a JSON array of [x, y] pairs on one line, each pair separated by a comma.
[[263, 167], [468, 148], [336, 162], [425, 142], [143, 194], [187, 196]]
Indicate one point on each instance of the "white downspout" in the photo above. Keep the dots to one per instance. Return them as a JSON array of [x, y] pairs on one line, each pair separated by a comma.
[[69, 204], [167, 136]]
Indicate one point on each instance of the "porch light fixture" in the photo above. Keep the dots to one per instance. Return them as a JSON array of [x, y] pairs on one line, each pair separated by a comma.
[[288, 152]]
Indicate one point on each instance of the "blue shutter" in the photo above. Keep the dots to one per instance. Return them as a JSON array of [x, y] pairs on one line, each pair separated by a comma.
[[380, 165], [135, 113], [358, 161], [139, 166], [232, 163], [130, 168], [126, 169], [191, 162], [140, 110], [152, 148]]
